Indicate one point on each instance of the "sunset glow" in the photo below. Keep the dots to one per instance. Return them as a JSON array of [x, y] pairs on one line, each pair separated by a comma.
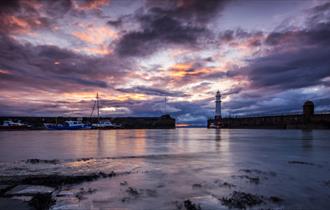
[[56, 55]]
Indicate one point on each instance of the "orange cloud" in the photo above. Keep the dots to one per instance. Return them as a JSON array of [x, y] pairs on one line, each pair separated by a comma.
[[93, 4], [95, 35], [94, 51], [182, 125], [16, 24], [182, 70], [130, 96], [90, 95]]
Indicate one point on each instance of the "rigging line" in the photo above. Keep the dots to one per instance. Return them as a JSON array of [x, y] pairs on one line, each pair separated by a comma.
[[93, 109]]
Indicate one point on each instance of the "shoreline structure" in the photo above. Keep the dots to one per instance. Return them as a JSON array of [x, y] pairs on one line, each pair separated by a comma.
[[37, 123], [307, 120]]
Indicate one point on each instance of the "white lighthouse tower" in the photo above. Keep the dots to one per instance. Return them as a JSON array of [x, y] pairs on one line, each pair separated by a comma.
[[218, 105]]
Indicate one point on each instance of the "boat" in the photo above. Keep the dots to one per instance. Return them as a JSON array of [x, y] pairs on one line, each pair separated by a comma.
[[101, 124], [9, 124], [75, 125], [104, 125], [67, 125], [53, 126]]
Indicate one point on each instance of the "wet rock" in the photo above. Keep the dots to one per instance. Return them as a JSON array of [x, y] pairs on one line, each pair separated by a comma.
[[151, 193], [4, 188], [259, 172], [327, 183], [124, 183], [22, 198], [160, 185], [82, 192], [138, 193], [188, 205], [275, 199], [241, 200], [224, 184], [58, 180], [30, 190], [207, 202], [84, 159], [125, 199], [13, 204], [66, 199], [197, 186], [254, 180], [133, 192], [303, 163], [65, 193], [36, 161], [66, 203], [42, 201]]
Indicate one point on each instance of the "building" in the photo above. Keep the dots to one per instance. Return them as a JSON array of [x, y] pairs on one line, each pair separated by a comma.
[[217, 121], [308, 119]]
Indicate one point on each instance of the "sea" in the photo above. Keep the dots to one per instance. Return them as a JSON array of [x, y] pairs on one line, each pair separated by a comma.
[[168, 168]]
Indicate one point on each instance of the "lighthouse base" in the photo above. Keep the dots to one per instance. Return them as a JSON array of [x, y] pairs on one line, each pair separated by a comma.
[[215, 123]]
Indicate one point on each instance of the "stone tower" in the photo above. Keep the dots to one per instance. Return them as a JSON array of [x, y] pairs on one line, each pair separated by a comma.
[[218, 105], [308, 110]]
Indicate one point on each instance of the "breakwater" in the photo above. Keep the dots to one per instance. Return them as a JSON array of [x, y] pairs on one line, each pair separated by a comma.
[[319, 121], [308, 119], [162, 122]]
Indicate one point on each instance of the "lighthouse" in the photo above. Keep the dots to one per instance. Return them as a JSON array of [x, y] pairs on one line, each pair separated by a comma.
[[217, 121], [218, 105]]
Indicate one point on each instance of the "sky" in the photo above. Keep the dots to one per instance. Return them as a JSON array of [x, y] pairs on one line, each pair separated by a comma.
[[265, 57]]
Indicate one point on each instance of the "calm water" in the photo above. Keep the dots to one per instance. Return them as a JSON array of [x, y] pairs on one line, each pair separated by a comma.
[[171, 166]]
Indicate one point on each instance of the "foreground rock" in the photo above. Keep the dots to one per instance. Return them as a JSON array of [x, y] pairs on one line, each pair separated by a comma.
[[37, 191], [42, 201], [13, 204], [21, 190], [37, 161], [56, 180], [241, 200]]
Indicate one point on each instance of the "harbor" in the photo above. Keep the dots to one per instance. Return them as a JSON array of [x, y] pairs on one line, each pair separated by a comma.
[[307, 119], [164, 105], [84, 123], [216, 169]]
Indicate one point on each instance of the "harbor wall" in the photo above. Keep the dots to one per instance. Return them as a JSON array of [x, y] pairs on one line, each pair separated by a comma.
[[316, 121], [163, 122]]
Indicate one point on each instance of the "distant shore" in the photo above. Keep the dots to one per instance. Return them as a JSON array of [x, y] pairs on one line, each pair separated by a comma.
[[37, 123]]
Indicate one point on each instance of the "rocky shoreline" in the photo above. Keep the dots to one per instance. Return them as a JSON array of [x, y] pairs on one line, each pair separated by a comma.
[[39, 192], [67, 191]]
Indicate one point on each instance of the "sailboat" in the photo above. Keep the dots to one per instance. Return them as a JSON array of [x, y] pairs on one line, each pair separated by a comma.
[[101, 124], [67, 125]]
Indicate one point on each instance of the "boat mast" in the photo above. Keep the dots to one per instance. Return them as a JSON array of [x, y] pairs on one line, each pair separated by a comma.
[[165, 105], [98, 106]]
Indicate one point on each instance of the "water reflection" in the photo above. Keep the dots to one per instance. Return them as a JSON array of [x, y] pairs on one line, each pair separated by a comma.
[[174, 160], [139, 141], [307, 138], [217, 139]]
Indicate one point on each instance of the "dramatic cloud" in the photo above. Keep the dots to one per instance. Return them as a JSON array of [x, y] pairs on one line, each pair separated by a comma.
[[152, 91], [158, 32], [53, 68], [56, 55]]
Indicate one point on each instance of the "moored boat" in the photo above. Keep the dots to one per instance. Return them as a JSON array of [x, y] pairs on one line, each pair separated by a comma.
[[11, 125], [67, 125], [101, 124], [104, 125]]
